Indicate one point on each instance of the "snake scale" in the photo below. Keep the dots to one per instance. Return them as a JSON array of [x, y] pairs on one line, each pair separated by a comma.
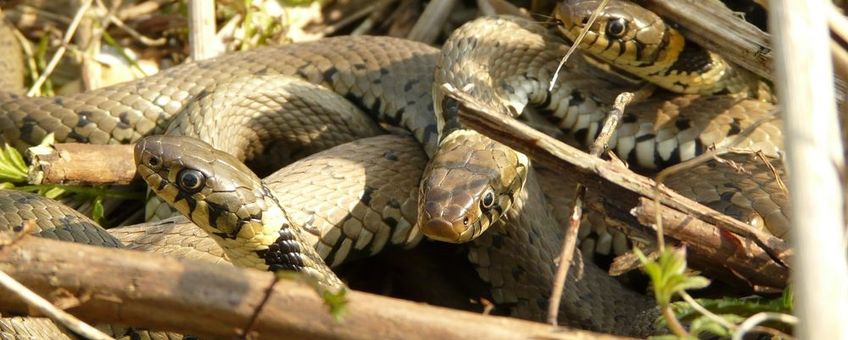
[[388, 79]]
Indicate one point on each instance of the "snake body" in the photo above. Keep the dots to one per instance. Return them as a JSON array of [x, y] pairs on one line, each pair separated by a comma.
[[390, 80]]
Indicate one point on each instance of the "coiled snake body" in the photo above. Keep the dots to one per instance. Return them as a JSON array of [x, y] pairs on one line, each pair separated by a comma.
[[387, 78]]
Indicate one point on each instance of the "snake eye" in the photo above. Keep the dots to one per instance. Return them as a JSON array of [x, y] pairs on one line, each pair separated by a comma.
[[153, 162], [191, 180], [559, 22], [465, 221], [488, 199], [616, 27]]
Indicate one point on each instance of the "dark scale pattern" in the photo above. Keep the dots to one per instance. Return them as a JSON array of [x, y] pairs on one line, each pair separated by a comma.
[[53, 220], [284, 253], [693, 59]]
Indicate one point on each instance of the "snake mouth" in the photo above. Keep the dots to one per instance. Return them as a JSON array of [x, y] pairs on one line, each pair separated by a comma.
[[443, 230]]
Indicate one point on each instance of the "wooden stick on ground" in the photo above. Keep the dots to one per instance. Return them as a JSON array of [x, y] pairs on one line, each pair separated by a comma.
[[623, 188], [46, 308], [204, 299], [36, 302], [74, 163], [813, 157]]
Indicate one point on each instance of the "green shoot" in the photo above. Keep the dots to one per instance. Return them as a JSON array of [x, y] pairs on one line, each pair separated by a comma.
[[335, 299], [13, 169]]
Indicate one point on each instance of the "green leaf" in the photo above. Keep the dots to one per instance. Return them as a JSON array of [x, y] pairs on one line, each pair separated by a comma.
[[12, 166], [787, 299], [336, 300], [52, 192], [97, 211], [703, 324], [740, 307], [668, 274]]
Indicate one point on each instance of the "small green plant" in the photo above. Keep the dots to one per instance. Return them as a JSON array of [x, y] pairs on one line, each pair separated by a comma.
[[13, 169], [336, 300], [716, 317], [13, 176], [668, 278]]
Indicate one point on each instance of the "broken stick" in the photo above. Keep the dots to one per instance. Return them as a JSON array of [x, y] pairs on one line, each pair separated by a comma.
[[205, 299]]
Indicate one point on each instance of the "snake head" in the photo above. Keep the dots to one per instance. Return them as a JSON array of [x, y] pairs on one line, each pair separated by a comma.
[[211, 187], [623, 33], [468, 185]]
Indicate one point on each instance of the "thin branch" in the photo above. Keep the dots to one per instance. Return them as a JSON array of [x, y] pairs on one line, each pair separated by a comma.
[[135, 34], [46, 308], [601, 143], [69, 33], [566, 255], [351, 18], [570, 241]]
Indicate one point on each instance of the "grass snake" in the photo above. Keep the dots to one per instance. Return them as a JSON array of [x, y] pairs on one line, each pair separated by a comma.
[[388, 80]]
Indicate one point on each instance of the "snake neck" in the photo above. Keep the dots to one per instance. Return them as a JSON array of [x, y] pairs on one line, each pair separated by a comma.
[[637, 41], [280, 246], [505, 61]]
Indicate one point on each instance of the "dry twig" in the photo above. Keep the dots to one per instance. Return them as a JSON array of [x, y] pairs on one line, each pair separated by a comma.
[[74, 163], [46, 308], [35, 301], [217, 301], [565, 256]]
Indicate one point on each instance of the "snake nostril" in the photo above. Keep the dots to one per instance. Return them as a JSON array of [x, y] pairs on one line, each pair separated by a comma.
[[154, 162]]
